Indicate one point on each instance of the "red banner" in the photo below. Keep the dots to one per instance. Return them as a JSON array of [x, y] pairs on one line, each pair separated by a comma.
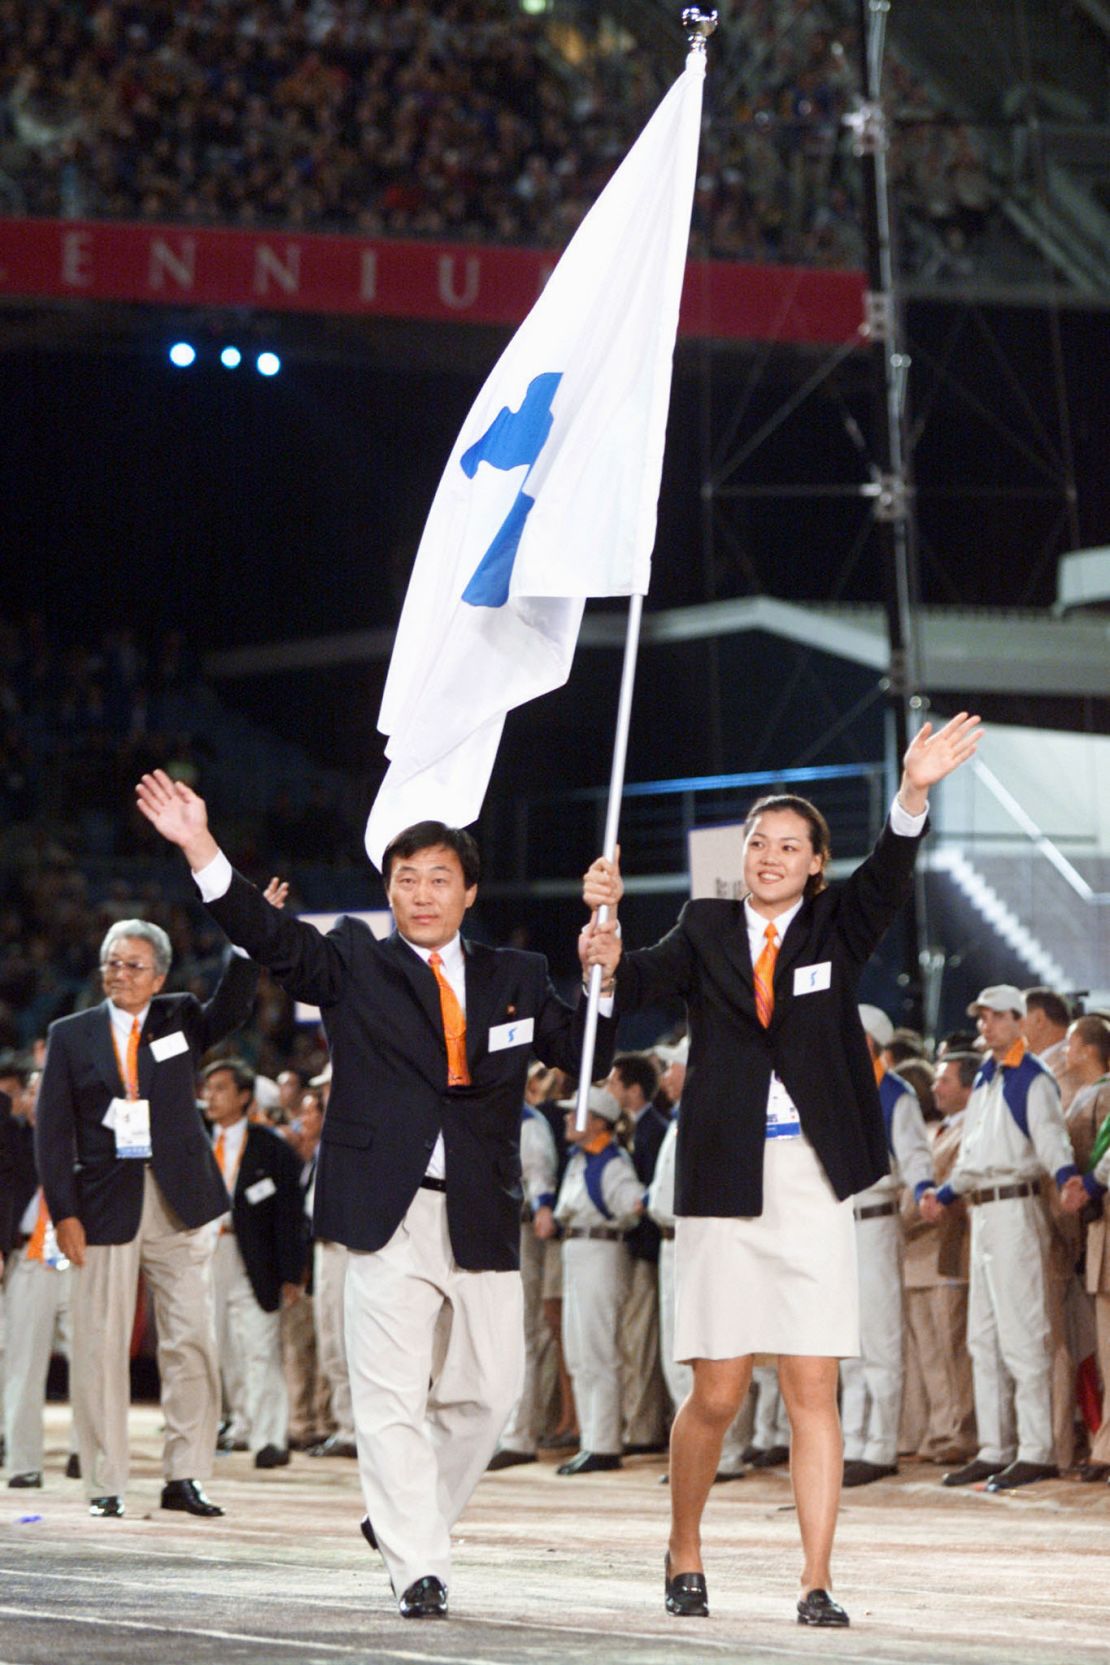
[[277, 271]]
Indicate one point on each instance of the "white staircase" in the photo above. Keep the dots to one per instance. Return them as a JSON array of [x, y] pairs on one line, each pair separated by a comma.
[[1001, 917]]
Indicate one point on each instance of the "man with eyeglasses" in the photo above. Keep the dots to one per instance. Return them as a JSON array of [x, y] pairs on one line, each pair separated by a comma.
[[132, 1185]]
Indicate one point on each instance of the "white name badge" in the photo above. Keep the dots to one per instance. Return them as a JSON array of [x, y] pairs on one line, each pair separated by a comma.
[[783, 1121], [131, 1121], [260, 1190], [168, 1046], [506, 1035], [811, 979]]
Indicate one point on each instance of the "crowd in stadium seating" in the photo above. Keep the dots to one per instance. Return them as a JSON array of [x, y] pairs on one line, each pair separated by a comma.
[[462, 121]]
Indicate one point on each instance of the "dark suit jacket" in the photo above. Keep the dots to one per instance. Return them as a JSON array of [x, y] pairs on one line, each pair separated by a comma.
[[389, 1100], [76, 1153], [815, 1041], [271, 1231], [7, 1175], [647, 1136]]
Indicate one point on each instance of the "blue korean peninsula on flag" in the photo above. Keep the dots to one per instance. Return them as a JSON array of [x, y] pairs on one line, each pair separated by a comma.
[[551, 490]]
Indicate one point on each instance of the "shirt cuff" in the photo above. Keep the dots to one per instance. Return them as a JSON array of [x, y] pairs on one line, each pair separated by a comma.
[[546, 1199], [946, 1195], [1065, 1173], [605, 1005], [905, 824], [214, 880], [1092, 1187], [921, 1187]]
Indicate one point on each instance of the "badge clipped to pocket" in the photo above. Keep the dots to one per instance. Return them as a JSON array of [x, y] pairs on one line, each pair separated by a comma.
[[131, 1125], [505, 1035]]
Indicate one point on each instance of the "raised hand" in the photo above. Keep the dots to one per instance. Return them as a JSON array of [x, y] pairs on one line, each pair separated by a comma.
[[931, 756], [276, 892], [179, 814]]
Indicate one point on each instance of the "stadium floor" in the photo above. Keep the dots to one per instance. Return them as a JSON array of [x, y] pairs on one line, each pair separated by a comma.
[[546, 1570]]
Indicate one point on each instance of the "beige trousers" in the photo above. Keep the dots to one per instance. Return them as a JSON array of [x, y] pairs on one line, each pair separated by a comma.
[[643, 1390], [38, 1315], [177, 1265], [436, 1357], [525, 1425], [329, 1274], [1100, 1445], [309, 1416], [936, 1319], [248, 1344]]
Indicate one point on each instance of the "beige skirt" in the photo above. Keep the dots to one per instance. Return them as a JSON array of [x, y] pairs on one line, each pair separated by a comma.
[[784, 1282]]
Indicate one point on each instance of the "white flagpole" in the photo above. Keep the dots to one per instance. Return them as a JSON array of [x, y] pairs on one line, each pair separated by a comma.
[[699, 26], [609, 844]]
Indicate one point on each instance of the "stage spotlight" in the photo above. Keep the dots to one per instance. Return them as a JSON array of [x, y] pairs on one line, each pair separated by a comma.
[[267, 364], [231, 358], [182, 354]]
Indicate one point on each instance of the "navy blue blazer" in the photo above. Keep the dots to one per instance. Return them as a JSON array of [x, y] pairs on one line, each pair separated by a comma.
[[815, 1042], [76, 1153], [389, 1101]]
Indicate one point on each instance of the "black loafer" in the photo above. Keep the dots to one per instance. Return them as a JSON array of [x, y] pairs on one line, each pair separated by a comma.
[[108, 1507], [509, 1459], [73, 1466], [32, 1478], [859, 1473], [1089, 1473], [723, 1476], [590, 1462], [1022, 1474], [685, 1594], [818, 1608], [972, 1474], [271, 1456], [368, 1531], [773, 1457], [426, 1599], [188, 1496]]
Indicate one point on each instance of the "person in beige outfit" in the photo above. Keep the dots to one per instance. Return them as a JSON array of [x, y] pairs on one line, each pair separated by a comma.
[[1089, 1126]]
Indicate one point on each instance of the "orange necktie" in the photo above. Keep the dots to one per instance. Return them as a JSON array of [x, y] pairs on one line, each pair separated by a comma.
[[131, 1081], [219, 1153], [765, 976], [38, 1236], [454, 1027]]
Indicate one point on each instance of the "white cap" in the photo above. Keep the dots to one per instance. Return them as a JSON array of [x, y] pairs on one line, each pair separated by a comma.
[[876, 1024], [267, 1093], [600, 1103], [324, 1076], [679, 1053], [1000, 997]]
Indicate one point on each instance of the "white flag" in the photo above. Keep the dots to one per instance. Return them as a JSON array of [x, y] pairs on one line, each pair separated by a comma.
[[551, 490]]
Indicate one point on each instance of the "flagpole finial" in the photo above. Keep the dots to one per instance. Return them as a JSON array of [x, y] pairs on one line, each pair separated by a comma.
[[699, 26]]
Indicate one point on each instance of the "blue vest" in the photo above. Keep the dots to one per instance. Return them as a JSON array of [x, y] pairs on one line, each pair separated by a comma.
[[891, 1088], [1016, 1081], [595, 1167]]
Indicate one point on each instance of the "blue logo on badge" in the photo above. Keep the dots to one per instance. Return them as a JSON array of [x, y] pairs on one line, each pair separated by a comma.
[[513, 438]]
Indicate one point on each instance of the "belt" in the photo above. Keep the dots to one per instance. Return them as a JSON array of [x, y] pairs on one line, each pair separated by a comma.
[[427, 1184], [594, 1234], [876, 1211], [667, 1233], [1002, 1193]]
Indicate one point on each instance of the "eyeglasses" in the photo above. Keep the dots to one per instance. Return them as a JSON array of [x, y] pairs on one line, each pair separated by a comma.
[[133, 968]]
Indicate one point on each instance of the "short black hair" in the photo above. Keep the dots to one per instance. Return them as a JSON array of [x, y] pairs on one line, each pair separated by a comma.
[[240, 1069], [426, 835], [967, 1065], [901, 1051], [637, 1070], [1053, 1005]]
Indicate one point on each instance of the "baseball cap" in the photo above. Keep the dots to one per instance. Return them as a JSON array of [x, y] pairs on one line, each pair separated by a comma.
[[876, 1024], [1000, 997]]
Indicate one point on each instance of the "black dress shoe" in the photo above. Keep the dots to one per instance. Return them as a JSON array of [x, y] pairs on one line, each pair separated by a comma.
[[648, 1450], [773, 1457], [25, 1481], [271, 1456], [187, 1495], [226, 1443], [107, 1506], [1022, 1474], [426, 1599], [685, 1594], [1089, 1473], [509, 1459], [723, 1476], [859, 1473], [73, 1466], [368, 1531], [590, 1462], [750, 1453], [972, 1474], [818, 1608]]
